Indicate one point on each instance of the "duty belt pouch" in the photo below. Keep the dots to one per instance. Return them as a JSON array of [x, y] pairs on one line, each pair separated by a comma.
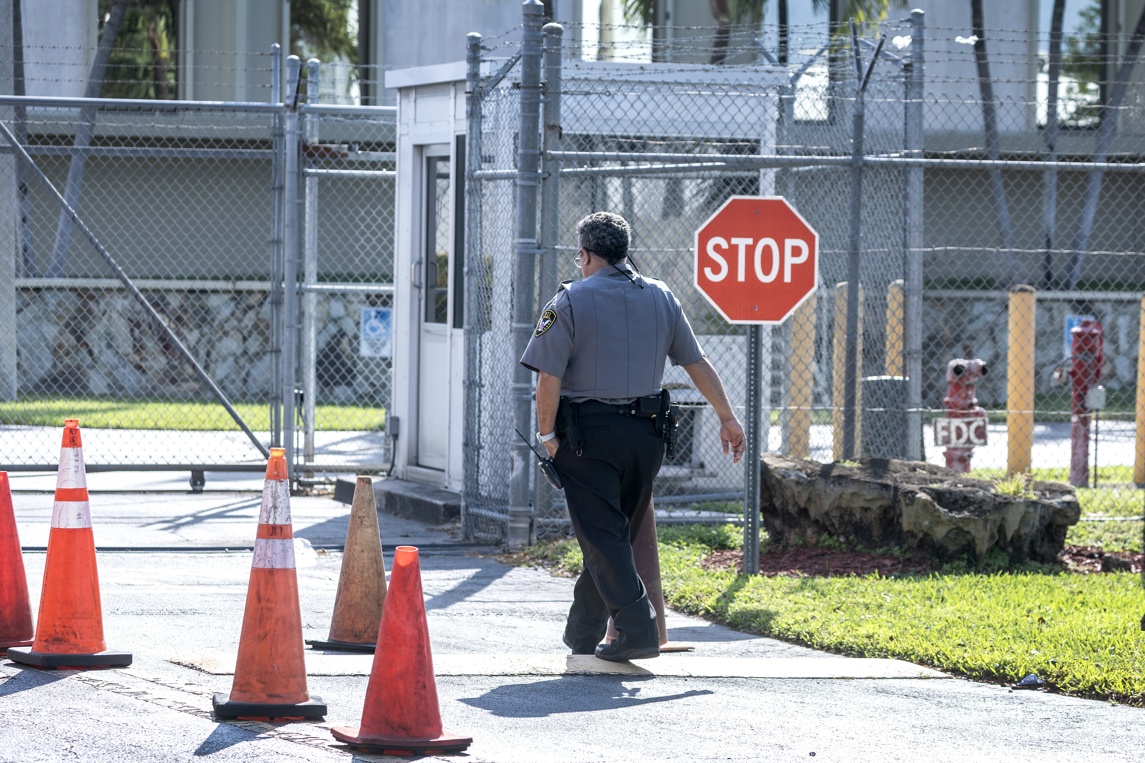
[[569, 415], [666, 420]]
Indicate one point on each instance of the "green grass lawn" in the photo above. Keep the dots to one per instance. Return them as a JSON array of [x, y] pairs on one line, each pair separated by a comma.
[[174, 415], [1080, 633]]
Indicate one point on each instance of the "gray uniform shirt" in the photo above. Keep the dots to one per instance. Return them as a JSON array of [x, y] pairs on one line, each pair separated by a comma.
[[607, 339]]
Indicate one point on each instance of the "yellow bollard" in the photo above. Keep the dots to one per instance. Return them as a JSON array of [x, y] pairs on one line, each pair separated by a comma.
[[1139, 456], [801, 379], [839, 374], [893, 362], [1020, 380]]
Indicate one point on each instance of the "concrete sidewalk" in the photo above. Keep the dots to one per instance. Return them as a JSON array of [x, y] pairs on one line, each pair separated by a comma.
[[175, 600]]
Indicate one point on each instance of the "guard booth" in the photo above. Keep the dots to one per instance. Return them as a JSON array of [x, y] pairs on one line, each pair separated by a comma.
[[429, 271], [601, 100]]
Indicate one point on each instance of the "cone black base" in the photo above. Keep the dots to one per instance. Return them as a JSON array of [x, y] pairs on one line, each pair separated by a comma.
[[314, 709], [23, 655], [343, 646], [394, 746]]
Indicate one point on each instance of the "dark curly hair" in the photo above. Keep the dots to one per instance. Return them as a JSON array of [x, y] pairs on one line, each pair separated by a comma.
[[606, 235]]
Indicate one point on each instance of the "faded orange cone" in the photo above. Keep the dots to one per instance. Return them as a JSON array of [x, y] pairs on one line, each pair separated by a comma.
[[362, 582], [69, 629], [270, 674], [647, 555], [15, 612], [401, 714]]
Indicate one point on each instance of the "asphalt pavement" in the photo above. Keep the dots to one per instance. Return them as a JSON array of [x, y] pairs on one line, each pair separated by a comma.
[[174, 566]]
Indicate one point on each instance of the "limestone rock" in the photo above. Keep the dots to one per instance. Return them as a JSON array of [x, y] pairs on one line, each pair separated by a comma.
[[913, 505]]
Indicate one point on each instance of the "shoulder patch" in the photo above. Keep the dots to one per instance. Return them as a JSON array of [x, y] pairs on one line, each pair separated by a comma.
[[547, 319]]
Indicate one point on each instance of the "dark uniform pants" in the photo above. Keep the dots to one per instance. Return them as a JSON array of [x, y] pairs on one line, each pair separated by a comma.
[[608, 488]]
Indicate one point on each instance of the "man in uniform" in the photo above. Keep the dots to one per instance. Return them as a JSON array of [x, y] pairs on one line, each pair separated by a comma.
[[599, 350]]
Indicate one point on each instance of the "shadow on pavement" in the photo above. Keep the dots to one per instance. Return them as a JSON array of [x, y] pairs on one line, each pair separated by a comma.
[[576, 694], [223, 511], [29, 679], [488, 572]]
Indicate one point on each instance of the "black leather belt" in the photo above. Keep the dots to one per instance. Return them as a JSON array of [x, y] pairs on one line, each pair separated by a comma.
[[596, 407]]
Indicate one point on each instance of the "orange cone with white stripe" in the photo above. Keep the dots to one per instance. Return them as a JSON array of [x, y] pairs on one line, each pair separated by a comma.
[[401, 715], [15, 612], [270, 674], [362, 582], [69, 629]]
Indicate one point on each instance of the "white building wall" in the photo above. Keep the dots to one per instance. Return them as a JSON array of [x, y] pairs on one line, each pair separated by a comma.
[[225, 48], [951, 71], [57, 56]]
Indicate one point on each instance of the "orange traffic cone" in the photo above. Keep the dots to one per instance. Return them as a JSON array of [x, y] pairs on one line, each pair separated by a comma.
[[15, 613], [647, 555], [69, 629], [362, 582], [401, 715], [270, 674]]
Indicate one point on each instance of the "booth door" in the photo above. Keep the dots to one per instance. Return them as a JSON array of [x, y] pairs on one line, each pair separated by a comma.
[[436, 266]]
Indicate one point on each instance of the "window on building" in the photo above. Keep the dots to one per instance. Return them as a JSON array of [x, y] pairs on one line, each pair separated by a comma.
[[1086, 63], [144, 57]]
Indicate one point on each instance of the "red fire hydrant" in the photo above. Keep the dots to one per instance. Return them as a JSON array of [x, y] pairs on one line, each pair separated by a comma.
[[1086, 359], [968, 421]]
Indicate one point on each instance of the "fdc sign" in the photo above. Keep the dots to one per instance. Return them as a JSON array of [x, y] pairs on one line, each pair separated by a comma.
[[757, 259]]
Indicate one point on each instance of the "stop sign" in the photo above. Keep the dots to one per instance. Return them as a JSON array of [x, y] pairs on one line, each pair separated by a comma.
[[757, 259]]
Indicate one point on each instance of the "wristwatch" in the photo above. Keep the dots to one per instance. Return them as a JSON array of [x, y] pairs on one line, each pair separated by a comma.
[[543, 438]]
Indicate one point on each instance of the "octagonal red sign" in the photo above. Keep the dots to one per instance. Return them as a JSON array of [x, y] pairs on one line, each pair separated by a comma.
[[757, 259]]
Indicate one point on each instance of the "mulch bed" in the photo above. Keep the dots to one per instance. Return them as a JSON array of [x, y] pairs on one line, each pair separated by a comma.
[[1088, 559], [806, 561]]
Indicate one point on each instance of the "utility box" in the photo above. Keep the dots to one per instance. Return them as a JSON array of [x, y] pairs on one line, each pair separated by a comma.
[[884, 417]]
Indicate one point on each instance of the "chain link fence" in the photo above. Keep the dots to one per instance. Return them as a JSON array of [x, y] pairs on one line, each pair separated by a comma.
[[927, 231], [349, 172], [148, 246]]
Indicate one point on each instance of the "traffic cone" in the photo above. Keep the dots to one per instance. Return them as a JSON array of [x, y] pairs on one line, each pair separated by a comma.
[[362, 582], [69, 629], [647, 555], [401, 715], [270, 673], [15, 613]]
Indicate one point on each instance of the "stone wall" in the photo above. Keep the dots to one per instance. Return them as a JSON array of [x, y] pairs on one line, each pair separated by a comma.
[[963, 327], [102, 342]]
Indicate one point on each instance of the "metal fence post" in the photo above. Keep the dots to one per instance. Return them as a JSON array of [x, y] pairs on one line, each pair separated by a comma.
[[751, 476], [275, 288], [854, 255], [524, 276], [308, 360], [290, 258], [550, 200], [915, 210], [472, 370]]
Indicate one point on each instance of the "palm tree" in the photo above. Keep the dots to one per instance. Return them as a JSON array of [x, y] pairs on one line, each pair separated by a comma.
[[140, 63]]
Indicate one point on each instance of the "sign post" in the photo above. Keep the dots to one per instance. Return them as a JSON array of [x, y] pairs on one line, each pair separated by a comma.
[[756, 261]]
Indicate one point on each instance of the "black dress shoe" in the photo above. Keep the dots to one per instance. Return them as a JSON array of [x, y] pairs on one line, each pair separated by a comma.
[[569, 644], [616, 651]]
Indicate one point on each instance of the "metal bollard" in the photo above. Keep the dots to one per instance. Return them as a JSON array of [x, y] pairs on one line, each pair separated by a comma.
[[1087, 357], [962, 377]]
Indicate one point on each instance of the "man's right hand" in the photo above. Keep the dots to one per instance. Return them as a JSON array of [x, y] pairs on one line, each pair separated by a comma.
[[732, 438], [552, 445]]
